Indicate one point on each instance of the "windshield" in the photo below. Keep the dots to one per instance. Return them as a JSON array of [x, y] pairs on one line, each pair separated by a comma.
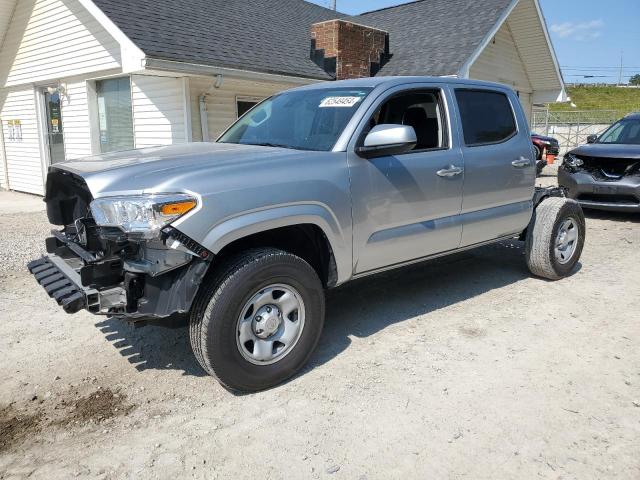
[[304, 120], [625, 131]]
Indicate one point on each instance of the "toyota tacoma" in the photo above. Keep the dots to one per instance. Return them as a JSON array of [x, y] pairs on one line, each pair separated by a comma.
[[312, 188]]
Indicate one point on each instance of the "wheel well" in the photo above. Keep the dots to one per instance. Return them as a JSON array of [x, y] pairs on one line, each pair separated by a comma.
[[307, 241]]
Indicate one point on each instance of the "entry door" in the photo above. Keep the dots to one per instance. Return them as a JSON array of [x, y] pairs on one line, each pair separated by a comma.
[[55, 138], [407, 206]]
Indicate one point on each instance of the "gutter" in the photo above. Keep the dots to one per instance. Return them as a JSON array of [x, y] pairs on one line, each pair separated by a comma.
[[3, 153], [563, 95], [199, 69], [204, 121], [202, 107]]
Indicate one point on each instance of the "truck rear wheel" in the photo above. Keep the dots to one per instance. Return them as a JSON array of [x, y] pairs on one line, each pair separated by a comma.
[[555, 238], [257, 319]]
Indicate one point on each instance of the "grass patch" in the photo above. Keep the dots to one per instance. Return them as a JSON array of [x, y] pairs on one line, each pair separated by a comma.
[[622, 100]]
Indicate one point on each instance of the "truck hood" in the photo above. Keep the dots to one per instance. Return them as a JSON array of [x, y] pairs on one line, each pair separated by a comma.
[[604, 150], [167, 168]]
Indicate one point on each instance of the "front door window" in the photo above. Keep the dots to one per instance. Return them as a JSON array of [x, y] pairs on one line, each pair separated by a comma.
[[404, 207], [55, 139]]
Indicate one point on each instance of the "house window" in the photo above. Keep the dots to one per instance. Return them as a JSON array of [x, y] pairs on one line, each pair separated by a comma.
[[244, 104], [115, 121]]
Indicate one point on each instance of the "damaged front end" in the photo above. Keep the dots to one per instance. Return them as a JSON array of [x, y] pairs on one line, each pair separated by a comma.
[[607, 183], [602, 168], [119, 256]]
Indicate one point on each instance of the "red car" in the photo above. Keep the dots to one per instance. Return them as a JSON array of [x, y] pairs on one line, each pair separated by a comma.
[[543, 146]]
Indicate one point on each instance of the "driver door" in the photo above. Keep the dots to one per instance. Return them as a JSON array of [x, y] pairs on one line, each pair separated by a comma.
[[407, 206]]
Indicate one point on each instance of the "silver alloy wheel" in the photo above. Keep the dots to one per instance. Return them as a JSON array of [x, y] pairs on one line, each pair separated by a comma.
[[566, 240], [270, 324]]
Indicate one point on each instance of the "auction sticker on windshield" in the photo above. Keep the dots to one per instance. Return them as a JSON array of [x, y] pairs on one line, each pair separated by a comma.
[[340, 101]]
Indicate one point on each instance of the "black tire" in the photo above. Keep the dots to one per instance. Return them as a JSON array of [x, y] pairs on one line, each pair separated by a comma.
[[537, 152], [216, 309], [542, 232], [540, 163]]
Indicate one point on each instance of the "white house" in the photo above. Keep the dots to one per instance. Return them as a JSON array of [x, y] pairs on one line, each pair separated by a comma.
[[82, 77]]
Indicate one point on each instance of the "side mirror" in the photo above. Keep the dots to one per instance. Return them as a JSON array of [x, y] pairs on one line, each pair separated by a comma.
[[592, 138], [388, 139]]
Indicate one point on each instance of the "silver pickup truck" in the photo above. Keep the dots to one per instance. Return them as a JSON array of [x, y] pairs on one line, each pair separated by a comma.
[[312, 188]]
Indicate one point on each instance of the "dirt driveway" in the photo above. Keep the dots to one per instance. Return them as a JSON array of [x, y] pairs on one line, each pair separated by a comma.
[[462, 368]]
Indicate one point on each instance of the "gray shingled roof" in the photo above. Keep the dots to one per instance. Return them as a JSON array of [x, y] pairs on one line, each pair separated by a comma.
[[432, 37], [269, 36]]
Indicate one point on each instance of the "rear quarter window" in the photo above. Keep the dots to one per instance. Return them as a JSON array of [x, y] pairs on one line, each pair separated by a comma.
[[487, 116]]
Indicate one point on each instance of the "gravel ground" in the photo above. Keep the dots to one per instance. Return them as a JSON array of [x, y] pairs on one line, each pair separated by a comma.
[[21, 239], [465, 367]]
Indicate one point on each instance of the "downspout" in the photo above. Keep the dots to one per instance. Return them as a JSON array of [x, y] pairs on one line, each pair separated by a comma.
[[202, 108], [3, 152], [204, 121]]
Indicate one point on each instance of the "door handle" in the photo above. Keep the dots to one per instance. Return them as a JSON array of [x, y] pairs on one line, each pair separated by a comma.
[[452, 171], [521, 162]]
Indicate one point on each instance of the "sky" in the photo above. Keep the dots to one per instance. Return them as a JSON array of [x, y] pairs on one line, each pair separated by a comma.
[[589, 36]]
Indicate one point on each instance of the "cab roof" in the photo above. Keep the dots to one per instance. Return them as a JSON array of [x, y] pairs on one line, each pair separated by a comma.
[[391, 81]]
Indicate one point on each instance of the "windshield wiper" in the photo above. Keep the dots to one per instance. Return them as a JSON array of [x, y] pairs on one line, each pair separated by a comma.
[[268, 144], [280, 145]]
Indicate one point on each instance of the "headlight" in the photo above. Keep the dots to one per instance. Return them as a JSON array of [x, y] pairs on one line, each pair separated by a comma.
[[142, 216], [572, 161]]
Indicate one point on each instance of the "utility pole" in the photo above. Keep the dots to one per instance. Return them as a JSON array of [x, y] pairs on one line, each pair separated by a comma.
[[333, 5], [620, 74]]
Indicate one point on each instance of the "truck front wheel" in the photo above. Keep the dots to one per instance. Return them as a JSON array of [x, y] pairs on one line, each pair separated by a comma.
[[555, 238], [257, 319]]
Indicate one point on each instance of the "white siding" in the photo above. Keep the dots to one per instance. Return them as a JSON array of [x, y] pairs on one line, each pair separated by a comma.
[[527, 104], [221, 102], [75, 121], [528, 33], [158, 110], [23, 156], [501, 62], [48, 39]]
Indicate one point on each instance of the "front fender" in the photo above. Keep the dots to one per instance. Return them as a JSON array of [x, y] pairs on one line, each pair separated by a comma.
[[249, 223]]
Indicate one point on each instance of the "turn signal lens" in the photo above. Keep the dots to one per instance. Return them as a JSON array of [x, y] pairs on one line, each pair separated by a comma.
[[178, 208]]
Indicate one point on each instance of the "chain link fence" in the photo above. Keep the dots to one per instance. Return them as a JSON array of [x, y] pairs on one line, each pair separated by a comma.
[[571, 128]]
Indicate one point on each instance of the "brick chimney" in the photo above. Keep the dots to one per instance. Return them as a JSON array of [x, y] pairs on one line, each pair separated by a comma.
[[348, 50]]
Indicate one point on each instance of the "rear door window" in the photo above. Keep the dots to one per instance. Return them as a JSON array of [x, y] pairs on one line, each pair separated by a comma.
[[487, 117]]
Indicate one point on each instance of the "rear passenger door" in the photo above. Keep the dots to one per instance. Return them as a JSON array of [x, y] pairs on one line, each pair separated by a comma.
[[499, 168]]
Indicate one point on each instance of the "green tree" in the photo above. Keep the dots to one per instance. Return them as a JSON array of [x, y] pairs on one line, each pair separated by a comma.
[[635, 80]]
